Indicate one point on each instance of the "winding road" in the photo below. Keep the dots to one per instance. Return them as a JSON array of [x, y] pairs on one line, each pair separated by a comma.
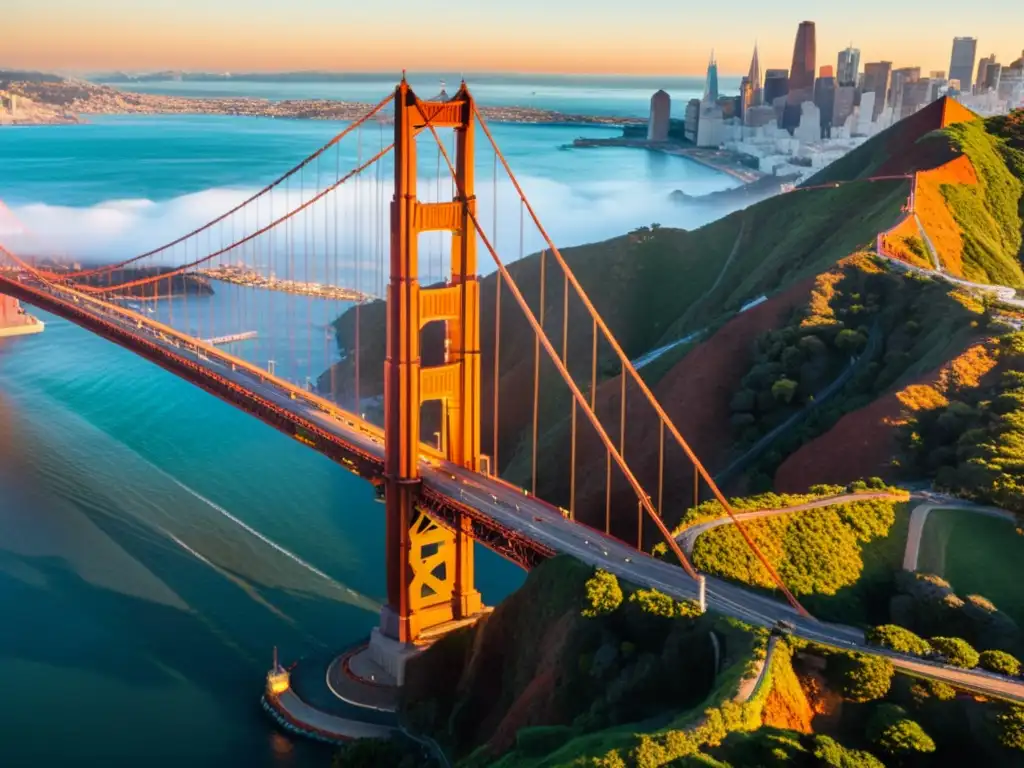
[[515, 510], [920, 516]]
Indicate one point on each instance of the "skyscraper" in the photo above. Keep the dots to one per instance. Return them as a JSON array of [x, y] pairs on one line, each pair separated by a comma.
[[876, 81], [849, 66], [776, 85], [901, 79], [801, 75], [961, 62], [711, 83], [979, 83], [661, 111], [825, 99], [754, 78]]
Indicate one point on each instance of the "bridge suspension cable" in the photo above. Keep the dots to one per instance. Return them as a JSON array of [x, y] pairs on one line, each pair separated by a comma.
[[252, 198], [613, 453]]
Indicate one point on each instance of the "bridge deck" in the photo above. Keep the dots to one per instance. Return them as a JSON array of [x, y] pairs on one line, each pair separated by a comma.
[[521, 527]]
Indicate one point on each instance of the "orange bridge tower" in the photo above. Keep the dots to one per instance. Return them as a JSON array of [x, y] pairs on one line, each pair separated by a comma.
[[429, 568]]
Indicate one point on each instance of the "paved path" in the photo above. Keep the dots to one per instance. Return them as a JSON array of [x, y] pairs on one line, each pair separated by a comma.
[[688, 536], [920, 516], [301, 714]]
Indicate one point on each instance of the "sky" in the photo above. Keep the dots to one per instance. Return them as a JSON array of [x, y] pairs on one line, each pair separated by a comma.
[[667, 37]]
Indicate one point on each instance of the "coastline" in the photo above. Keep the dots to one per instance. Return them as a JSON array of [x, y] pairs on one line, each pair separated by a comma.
[[67, 102], [717, 160]]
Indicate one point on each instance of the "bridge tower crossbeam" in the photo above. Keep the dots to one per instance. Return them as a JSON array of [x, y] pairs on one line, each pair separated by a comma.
[[429, 568]]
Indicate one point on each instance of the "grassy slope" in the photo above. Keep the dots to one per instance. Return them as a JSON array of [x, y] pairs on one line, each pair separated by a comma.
[[975, 554]]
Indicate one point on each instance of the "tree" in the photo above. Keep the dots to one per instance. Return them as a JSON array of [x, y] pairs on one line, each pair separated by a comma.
[[831, 754], [604, 594], [1011, 727], [898, 639], [1000, 662], [783, 390], [859, 677], [896, 734], [957, 651]]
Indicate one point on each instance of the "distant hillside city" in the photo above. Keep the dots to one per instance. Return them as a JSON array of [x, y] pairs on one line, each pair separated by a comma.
[[797, 121]]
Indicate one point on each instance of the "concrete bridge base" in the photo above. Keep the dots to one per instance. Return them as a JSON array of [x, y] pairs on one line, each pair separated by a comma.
[[14, 321]]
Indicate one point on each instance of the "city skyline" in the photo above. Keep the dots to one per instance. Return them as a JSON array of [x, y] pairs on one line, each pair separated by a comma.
[[117, 35]]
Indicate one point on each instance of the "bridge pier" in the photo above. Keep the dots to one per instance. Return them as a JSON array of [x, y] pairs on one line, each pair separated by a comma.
[[14, 321]]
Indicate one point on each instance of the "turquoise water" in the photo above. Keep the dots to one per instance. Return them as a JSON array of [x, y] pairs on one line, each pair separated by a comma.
[[155, 543]]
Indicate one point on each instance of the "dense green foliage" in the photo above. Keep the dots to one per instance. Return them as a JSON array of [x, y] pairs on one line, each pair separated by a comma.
[[604, 594], [896, 734], [893, 324], [1011, 727], [957, 651], [898, 639], [1000, 662], [818, 553], [927, 605], [974, 446], [859, 677], [989, 213]]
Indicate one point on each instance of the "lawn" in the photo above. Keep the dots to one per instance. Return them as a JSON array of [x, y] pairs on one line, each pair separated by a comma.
[[977, 555]]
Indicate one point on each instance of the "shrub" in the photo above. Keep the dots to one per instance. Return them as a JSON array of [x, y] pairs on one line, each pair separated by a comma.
[[604, 594], [783, 390], [999, 662], [859, 677], [957, 651], [896, 734], [898, 639], [1011, 727], [654, 602], [831, 754]]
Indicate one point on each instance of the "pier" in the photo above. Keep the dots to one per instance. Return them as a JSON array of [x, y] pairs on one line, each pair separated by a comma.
[[230, 338]]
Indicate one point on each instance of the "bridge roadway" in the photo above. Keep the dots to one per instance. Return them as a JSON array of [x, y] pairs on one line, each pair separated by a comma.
[[541, 524]]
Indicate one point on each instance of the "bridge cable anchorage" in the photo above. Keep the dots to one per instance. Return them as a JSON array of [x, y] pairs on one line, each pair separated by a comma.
[[577, 395], [252, 236], [255, 196], [628, 367]]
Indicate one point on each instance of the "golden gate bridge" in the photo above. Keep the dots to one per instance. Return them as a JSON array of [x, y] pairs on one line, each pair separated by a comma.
[[441, 494]]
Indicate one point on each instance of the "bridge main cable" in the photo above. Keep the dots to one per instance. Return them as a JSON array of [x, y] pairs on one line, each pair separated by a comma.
[[577, 395], [251, 236], [628, 366], [255, 196]]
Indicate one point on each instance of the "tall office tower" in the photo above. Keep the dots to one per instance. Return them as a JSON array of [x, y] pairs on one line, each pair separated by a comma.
[[901, 78], [825, 99], [992, 76], [846, 96], [979, 82], [746, 95], [661, 111], [876, 81], [711, 82], [754, 78], [776, 85], [801, 75], [961, 62], [849, 66]]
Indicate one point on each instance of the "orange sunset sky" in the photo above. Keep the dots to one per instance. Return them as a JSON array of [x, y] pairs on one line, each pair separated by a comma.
[[599, 36]]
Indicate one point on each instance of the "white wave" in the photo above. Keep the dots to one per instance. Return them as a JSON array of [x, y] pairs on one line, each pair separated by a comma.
[[353, 220]]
